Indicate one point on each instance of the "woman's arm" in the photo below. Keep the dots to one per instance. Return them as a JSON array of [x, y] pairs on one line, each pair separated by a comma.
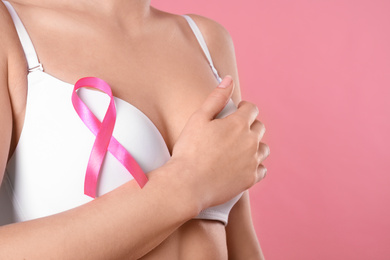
[[5, 103], [128, 220], [241, 237]]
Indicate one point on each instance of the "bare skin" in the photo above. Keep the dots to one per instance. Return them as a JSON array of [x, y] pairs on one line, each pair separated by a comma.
[[150, 46]]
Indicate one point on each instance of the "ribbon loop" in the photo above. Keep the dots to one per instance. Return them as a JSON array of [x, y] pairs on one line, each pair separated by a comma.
[[104, 140]]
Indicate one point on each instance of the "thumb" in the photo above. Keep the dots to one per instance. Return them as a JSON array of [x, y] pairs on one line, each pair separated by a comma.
[[218, 99]]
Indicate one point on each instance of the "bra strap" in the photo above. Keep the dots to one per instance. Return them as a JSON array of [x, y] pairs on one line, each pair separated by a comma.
[[28, 47], [202, 43]]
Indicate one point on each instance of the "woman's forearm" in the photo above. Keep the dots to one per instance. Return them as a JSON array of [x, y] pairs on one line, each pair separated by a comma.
[[126, 221]]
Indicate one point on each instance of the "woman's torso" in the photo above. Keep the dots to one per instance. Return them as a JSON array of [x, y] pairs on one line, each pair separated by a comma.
[[170, 69]]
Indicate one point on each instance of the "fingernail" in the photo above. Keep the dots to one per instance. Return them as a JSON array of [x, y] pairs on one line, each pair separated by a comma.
[[225, 82], [265, 173]]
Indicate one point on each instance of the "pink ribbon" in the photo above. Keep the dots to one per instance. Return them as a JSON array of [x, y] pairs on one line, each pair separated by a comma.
[[104, 139]]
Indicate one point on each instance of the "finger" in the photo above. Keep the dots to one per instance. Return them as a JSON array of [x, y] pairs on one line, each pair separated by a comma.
[[261, 172], [262, 152], [217, 99], [258, 128], [247, 110]]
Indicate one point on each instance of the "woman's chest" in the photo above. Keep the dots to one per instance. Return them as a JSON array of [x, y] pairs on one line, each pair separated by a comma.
[[154, 99], [55, 144], [167, 92]]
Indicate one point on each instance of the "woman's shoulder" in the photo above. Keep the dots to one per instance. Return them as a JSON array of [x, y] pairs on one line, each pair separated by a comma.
[[221, 47], [9, 39], [218, 40], [213, 32], [7, 31], [11, 51]]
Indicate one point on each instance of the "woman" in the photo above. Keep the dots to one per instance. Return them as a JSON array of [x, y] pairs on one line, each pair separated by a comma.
[[138, 50]]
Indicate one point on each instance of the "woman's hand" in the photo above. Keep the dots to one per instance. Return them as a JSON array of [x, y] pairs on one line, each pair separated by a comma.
[[222, 157]]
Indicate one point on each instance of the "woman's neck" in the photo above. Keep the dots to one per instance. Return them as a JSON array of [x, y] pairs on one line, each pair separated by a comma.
[[128, 14], [118, 9]]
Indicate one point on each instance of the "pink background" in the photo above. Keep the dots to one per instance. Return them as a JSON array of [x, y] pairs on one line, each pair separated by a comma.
[[319, 72]]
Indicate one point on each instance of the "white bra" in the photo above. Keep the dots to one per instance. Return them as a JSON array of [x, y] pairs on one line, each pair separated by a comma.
[[45, 175]]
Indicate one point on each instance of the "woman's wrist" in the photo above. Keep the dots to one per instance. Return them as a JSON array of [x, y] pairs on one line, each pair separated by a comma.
[[177, 176]]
